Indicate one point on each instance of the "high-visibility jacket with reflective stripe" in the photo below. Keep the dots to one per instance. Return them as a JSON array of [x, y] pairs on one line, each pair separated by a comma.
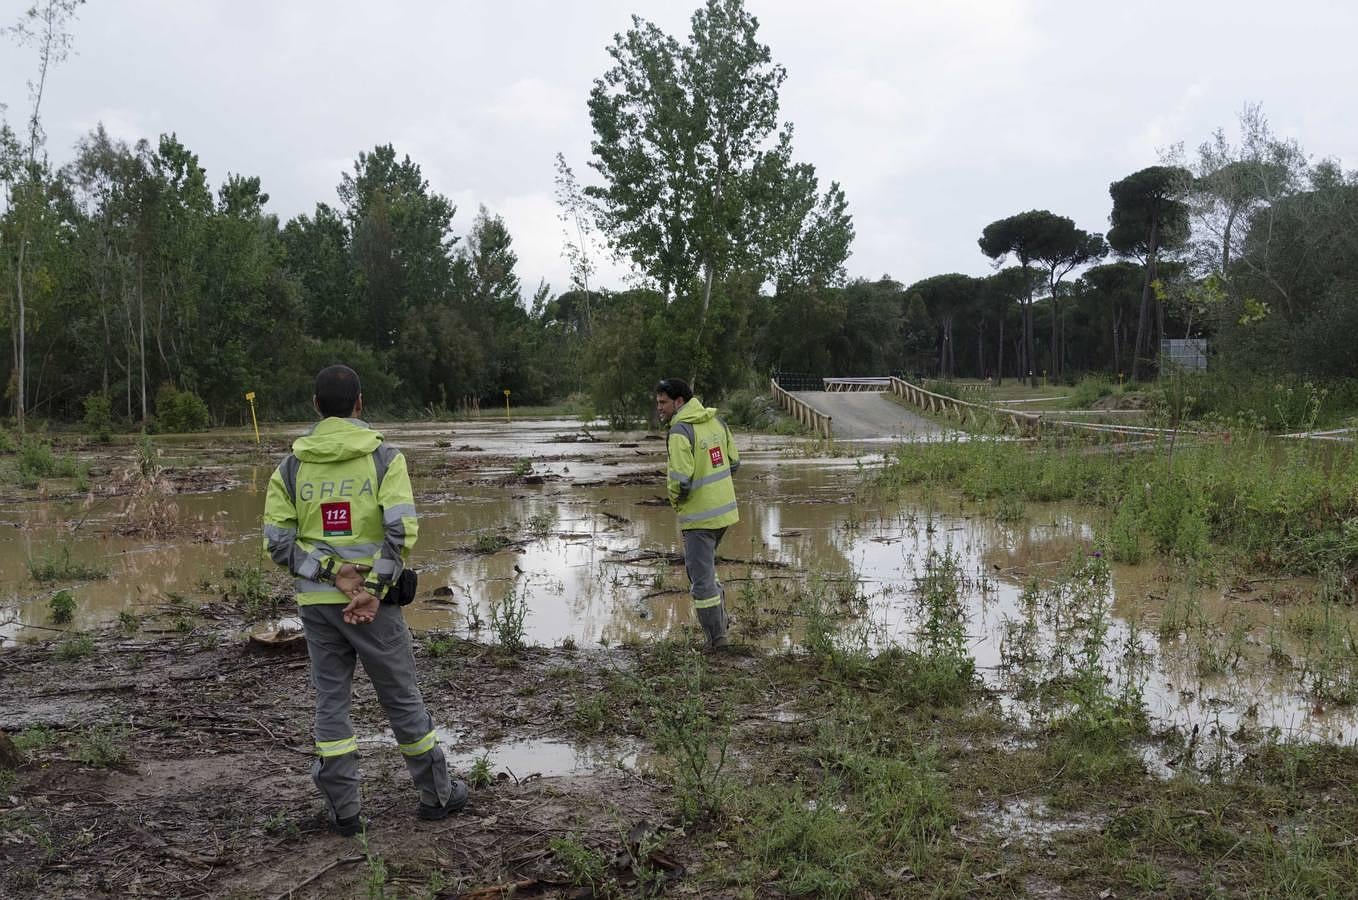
[[702, 459], [343, 495]]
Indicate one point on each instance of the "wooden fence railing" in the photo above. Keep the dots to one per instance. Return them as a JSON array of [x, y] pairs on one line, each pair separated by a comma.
[[857, 384], [802, 411], [973, 414], [978, 414]]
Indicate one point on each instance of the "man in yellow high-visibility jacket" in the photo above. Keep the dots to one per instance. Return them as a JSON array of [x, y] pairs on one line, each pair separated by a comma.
[[702, 459], [340, 516]]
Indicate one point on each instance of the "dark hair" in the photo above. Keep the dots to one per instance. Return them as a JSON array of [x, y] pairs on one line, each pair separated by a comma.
[[337, 391], [675, 389]]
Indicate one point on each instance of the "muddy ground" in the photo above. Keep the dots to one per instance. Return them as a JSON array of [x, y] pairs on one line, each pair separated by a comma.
[[198, 781], [175, 764]]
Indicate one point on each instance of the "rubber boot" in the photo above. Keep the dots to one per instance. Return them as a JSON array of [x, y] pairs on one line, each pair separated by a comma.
[[713, 620]]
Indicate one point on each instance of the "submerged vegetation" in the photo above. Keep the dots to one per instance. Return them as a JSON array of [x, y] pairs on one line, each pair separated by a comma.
[[1240, 496]]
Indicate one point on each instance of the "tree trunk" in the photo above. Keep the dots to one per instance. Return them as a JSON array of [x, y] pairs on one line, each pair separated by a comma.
[[1054, 365], [1030, 351], [1159, 316], [19, 355], [1029, 355], [999, 362], [702, 321], [1117, 343], [141, 345], [1143, 315]]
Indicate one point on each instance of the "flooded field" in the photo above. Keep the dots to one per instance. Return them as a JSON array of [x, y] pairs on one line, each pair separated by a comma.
[[572, 523]]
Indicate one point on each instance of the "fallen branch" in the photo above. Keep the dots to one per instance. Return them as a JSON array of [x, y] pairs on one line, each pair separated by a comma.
[[339, 861]]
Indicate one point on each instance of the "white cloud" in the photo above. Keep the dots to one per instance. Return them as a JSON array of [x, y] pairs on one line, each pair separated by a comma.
[[534, 104], [937, 117]]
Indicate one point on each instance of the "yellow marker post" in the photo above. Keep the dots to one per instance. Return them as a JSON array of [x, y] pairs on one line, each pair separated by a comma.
[[250, 395], [506, 404]]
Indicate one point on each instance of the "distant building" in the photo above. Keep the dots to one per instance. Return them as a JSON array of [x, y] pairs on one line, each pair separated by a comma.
[[1185, 354]]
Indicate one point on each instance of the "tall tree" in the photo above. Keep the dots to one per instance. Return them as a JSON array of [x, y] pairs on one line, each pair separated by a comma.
[[1004, 288], [687, 139], [44, 26], [577, 219], [1149, 216], [1063, 249], [400, 237], [1233, 183], [1026, 236], [317, 252], [947, 297]]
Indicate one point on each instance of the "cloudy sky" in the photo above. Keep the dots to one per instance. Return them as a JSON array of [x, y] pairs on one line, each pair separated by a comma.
[[937, 116]]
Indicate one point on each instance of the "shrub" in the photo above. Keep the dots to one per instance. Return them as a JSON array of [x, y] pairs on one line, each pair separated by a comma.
[[61, 607], [180, 411], [36, 461], [99, 416], [1089, 390]]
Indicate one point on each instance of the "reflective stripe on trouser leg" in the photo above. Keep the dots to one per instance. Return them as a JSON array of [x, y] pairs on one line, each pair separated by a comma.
[[707, 603], [337, 748], [423, 745]]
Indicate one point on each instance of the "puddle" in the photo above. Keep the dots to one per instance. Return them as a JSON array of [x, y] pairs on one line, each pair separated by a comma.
[[1033, 819], [590, 560], [523, 759]]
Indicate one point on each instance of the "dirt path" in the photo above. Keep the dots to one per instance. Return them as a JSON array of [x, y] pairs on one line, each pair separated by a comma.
[[869, 416]]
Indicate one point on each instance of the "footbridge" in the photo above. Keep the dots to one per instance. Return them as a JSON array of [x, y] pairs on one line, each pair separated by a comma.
[[854, 409]]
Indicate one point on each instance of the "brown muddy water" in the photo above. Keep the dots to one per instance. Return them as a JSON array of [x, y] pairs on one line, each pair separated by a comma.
[[591, 538]]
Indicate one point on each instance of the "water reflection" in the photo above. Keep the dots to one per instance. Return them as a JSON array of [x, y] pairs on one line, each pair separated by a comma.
[[591, 558]]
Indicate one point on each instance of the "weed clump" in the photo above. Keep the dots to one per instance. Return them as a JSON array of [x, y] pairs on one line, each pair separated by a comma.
[[77, 646], [36, 461], [491, 541], [583, 866], [59, 566], [247, 590], [480, 776], [506, 620], [101, 746]]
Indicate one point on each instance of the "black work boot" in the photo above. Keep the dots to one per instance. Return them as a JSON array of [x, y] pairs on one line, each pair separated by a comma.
[[350, 826], [457, 799]]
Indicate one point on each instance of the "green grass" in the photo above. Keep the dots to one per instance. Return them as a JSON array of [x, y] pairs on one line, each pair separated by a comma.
[[480, 776], [1292, 508], [491, 541], [582, 865]]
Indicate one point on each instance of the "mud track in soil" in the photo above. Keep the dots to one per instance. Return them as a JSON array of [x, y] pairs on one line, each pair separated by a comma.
[[214, 797]]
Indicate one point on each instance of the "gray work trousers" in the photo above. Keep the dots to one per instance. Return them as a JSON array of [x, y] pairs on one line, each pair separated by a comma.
[[700, 561], [709, 597], [383, 645]]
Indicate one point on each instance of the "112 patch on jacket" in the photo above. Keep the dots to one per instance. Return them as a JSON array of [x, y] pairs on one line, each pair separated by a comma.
[[714, 454], [336, 519]]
